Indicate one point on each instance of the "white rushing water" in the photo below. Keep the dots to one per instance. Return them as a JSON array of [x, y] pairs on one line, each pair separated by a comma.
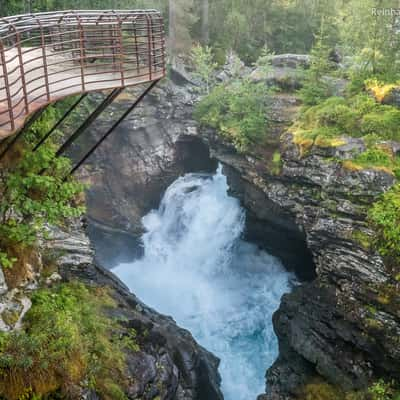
[[224, 290]]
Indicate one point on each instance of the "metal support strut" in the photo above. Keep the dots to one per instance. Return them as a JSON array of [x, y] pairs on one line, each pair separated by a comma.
[[18, 135], [89, 120], [116, 124], [59, 122]]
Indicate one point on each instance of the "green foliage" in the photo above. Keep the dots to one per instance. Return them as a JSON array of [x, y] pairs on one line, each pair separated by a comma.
[[385, 217], [382, 391], [264, 62], [237, 110], [276, 163], [320, 390], [384, 121], [204, 66], [379, 158], [316, 87], [32, 197], [356, 116], [6, 261], [362, 238], [67, 340], [370, 41], [285, 26]]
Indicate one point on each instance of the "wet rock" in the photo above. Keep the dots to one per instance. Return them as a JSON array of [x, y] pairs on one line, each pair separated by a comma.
[[335, 327]]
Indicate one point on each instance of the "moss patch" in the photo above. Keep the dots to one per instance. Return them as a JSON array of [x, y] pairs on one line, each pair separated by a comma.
[[276, 163], [364, 240], [67, 343]]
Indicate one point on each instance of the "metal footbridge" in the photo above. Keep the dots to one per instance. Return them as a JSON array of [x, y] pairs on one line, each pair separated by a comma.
[[48, 56]]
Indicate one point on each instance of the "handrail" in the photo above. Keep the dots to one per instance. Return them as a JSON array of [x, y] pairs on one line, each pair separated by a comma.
[[48, 56]]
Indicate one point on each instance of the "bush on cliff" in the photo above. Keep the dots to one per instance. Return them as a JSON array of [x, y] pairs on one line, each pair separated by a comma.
[[376, 157], [385, 216], [30, 197], [355, 116], [67, 344], [316, 88], [238, 111]]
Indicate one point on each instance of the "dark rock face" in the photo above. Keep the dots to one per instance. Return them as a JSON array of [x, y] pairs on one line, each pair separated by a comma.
[[341, 326], [156, 144], [169, 365]]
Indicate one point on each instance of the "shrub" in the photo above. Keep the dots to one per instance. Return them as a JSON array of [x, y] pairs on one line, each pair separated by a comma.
[[313, 93], [381, 391], [204, 65], [357, 116], [379, 89], [384, 122], [67, 341], [320, 390], [31, 198], [377, 157], [385, 217], [238, 110], [316, 88]]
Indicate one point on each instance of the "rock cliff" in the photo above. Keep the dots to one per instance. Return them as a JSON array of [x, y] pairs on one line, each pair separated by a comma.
[[342, 323]]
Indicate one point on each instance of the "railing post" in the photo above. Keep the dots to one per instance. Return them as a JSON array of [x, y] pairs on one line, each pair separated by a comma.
[[162, 35], [22, 70], [149, 40], [44, 55], [121, 53], [153, 44], [82, 53], [7, 87], [136, 47]]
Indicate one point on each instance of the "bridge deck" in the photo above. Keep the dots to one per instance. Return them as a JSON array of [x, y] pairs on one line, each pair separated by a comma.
[[69, 56]]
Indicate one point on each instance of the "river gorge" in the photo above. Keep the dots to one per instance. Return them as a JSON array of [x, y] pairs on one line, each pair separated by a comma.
[[203, 243], [231, 275], [197, 268]]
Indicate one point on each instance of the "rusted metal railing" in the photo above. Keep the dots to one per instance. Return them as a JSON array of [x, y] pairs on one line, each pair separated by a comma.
[[48, 56]]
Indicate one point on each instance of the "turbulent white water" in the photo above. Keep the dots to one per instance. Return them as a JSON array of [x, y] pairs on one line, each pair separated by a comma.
[[224, 290]]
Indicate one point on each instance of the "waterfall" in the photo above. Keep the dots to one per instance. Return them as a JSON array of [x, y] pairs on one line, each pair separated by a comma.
[[197, 269]]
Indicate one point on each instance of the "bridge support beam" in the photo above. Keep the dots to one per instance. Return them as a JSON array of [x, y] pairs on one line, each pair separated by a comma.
[[59, 122], [89, 120], [112, 129]]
